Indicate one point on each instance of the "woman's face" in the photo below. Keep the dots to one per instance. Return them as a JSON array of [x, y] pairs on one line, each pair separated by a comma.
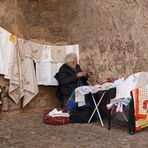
[[73, 63]]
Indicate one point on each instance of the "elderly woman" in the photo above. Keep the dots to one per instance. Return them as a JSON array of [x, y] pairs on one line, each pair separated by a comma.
[[70, 76]]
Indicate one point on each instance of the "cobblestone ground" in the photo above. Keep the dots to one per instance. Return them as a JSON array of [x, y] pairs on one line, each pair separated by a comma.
[[26, 130]]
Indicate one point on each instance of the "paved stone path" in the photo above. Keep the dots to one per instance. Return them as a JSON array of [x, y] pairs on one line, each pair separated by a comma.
[[26, 130]]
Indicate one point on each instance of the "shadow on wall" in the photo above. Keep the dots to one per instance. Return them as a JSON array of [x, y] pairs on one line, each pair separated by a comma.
[[46, 98]]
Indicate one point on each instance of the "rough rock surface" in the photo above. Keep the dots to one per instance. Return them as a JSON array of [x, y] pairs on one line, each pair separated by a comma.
[[112, 34], [27, 130]]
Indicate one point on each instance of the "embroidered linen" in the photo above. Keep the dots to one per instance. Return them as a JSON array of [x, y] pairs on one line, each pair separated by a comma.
[[58, 53], [80, 92], [7, 45], [22, 77], [38, 52], [46, 69]]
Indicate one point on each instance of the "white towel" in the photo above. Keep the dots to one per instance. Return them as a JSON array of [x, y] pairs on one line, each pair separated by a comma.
[[45, 71], [73, 49], [7, 45]]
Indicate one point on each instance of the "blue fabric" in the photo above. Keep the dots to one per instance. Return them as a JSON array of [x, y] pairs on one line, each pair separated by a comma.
[[71, 104]]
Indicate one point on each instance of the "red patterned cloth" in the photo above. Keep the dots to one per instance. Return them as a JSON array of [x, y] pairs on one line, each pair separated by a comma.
[[140, 97]]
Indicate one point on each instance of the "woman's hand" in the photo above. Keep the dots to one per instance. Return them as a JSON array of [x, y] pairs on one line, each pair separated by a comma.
[[84, 74], [81, 74]]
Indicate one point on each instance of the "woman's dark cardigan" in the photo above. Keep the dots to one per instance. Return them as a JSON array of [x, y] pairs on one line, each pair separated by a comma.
[[68, 80]]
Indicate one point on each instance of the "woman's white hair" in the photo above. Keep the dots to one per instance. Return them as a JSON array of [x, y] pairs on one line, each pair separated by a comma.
[[70, 57]]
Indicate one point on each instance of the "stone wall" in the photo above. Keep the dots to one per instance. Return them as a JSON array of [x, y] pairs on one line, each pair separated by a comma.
[[113, 37], [112, 34]]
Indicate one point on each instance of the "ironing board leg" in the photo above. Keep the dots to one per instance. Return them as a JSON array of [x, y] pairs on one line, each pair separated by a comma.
[[96, 108]]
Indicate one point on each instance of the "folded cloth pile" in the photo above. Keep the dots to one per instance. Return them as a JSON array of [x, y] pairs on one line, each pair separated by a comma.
[[56, 113]]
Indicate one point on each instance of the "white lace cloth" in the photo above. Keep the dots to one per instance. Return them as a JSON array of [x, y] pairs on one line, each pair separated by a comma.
[[80, 92]]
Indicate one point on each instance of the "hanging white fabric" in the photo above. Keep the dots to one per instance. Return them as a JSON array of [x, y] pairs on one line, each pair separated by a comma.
[[7, 45], [22, 82], [45, 71]]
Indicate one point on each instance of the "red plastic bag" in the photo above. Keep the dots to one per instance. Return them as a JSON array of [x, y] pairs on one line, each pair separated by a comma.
[[55, 120]]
